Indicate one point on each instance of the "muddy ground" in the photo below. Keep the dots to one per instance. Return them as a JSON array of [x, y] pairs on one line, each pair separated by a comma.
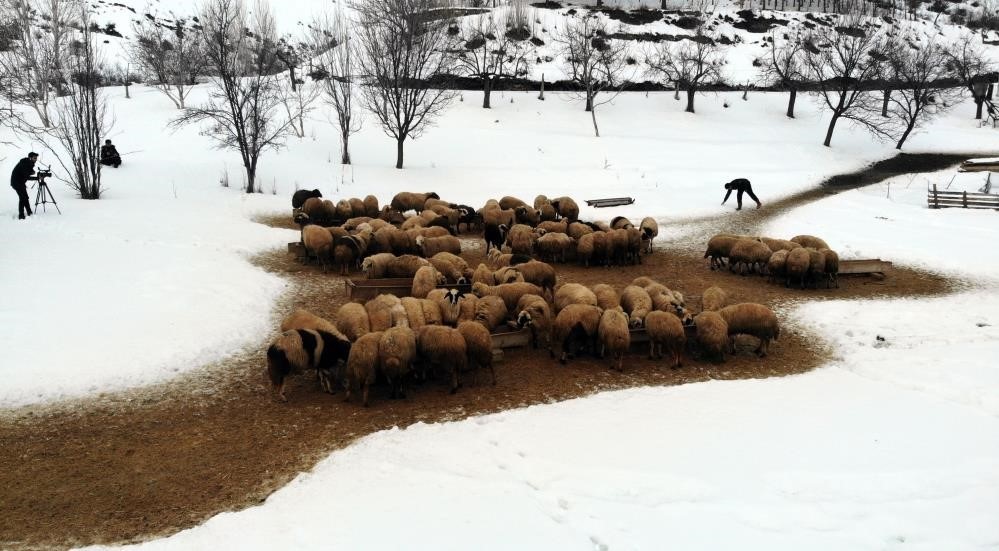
[[141, 464]]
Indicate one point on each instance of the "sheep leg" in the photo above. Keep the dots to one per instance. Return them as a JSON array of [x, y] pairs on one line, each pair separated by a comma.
[[364, 393], [492, 372], [454, 379], [652, 349]]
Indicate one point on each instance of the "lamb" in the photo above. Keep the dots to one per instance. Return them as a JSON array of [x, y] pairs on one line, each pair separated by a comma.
[[712, 334], [533, 311], [299, 349], [495, 236], [509, 292], [352, 321], [832, 266], [636, 303], [299, 197], [719, 248], [554, 246], [573, 293], [752, 319], [396, 353], [362, 365], [713, 299], [430, 246], [379, 311], [491, 312], [752, 255], [371, 206], [615, 336], [376, 266], [483, 274], [406, 265], [796, 266], [426, 279], [777, 265], [406, 200], [440, 346], [575, 327], [607, 297], [810, 241], [508, 202], [454, 268], [527, 215], [538, 273], [665, 332], [565, 207], [319, 243], [650, 230], [479, 347]]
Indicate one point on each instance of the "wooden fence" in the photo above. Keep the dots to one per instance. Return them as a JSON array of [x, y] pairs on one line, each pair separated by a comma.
[[937, 199]]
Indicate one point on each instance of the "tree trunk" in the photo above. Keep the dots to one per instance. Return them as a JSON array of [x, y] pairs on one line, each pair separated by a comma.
[[884, 103], [398, 153], [127, 95], [541, 96], [291, 74], [593, 115], [829, 132], [676, 91], [790, 103], [486, 88], [589, 101], [251, 177], [345, 150], [905, 135], [690, 99]]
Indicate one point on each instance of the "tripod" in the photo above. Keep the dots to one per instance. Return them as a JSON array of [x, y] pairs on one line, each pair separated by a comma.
[[44, 195]]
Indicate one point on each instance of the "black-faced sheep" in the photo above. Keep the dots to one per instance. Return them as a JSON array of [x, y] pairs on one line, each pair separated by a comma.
[[636, 303], [352, 321], [573, 293], [713, 299], [299, 197], [440, 346], [607, 297], [406, 200], [748, 256], [534, 312], [712, 335], [426, 279], [832, 266], [796, 266], [650, 230], [318, 243], [752, 319], [495, 236], [362, 365], [575, 327], [615, 336], [509, 292], [479, 347], [810, 241], [491, 312], [554, 247], [396, 353], [449, 302], [300, 349], [430, 246], [565, 207], [454, 268], [665, 333]]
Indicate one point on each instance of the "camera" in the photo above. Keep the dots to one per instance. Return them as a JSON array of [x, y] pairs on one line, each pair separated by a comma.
[[43, 173]]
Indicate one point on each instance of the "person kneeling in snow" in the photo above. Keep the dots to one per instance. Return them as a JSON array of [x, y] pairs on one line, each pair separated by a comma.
[[740, 185], [109, 155]]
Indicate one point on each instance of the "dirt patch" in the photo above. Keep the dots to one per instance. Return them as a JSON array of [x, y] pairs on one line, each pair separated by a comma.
[[136, 465]]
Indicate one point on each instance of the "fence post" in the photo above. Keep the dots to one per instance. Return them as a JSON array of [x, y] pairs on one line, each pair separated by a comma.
[[964, 197], [936, 202]]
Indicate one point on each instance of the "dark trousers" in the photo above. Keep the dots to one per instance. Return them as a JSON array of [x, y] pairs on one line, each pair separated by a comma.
[[749, 190], [111, 161], [23, 201]]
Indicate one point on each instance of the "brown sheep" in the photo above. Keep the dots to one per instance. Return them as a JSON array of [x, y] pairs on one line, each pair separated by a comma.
[[810, 241], [357, 207], [396, 353], [554, 227], [832, 266], [440, 346], [719, 248], [483, 274], [575, 327], [665, 332], [304, 319], [650, 230], [405, 200], [508, 202], [430, 246], [509, 292], [615, 336], [300, 349], [406, 265], [362, 365], [749, 254], [796, 266], [713, 299], [526, 215], [573, 293], [533, 312], [712, 335], [491, 312], [318, 243], [426, 279], [607, 297], [621, 223], [342, 210], [371, 206], [779, 244], [376, 266], [752, 319], [553, 247], [454, 268], [777, 265], [414, 312], [577, 230], [379, 311], [636, 303], [352, 321], [565, 207], [816, 265], [479, 347]]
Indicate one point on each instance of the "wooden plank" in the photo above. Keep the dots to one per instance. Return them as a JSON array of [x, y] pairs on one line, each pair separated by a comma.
[[507, 337], [975, 202], [972, 195], [609, 202], [864, 266]]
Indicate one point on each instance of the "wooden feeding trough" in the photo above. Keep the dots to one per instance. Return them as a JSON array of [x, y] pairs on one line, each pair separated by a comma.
[[508, 337], [362, 290], [610, 202], [869, 266], [297, 249]]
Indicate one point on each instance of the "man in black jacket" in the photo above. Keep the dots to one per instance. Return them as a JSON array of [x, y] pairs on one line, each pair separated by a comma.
[[109, 155], [18, 179], [740, 186]]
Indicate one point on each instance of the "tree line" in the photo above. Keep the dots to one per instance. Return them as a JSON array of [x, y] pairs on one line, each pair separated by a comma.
[[395, 60]]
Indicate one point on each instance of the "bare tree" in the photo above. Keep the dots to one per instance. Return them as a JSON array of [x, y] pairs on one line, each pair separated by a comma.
[[494, 49], [297, 103], [845, 67], [246, 96], [967, 60], [335, 64], [593, 61], [783, 66], [33, 67], [690, 64], [171, 56], [919, 69], [404, 46]]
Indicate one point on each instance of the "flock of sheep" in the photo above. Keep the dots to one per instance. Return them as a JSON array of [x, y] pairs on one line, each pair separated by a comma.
[[441, 329], [802, 260]]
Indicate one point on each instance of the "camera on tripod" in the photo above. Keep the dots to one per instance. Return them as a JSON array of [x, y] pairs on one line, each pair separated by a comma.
[[43, 173]]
